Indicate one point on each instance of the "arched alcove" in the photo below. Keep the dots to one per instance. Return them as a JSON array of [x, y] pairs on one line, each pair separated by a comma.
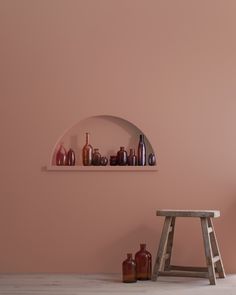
[[108, 133]]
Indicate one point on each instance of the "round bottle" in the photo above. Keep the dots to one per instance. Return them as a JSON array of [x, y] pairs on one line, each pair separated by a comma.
[[96, 158], [129, 269], [61, 156], [122, 156], [104, 161], [152, 159], [143, 261], [87, 152], [70, 159]]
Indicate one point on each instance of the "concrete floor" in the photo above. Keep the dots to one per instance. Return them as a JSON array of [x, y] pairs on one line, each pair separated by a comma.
[[73, 284]]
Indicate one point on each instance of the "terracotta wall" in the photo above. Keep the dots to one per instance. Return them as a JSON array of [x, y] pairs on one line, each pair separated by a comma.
[[167, 66]]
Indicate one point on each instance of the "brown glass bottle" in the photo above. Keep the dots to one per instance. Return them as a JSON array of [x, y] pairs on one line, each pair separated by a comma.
[[96, 158], [143, 261], [129, 269], [122, 156], [132, 159], [87, 152]]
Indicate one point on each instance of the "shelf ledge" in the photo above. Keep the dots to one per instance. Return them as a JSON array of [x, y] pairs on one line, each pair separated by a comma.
[[101, 168]]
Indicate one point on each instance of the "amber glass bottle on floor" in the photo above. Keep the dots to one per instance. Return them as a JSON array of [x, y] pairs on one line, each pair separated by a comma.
[[129, 269], [143, 261]]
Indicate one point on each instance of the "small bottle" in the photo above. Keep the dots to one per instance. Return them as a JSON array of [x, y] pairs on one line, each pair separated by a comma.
[[129, 269], [104, 161], [143, 261], [70, 159], [87, 152], [96, 158], [132, 159], [141, 151], [122, 156], [61, 156], [152, 159]]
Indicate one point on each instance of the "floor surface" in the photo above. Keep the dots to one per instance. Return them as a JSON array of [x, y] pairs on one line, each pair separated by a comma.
[[74, 284]]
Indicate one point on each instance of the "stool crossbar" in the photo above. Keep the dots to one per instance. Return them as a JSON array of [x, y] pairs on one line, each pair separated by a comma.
[[214, 264]]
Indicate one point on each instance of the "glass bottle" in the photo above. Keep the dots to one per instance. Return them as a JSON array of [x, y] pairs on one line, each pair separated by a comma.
[[104, 161], [70, 158], [61, 156], [152, 159], [132, 159], [129, 269], [143, 261], [122, 156], [96, 158], [141, 151], [87, 152]]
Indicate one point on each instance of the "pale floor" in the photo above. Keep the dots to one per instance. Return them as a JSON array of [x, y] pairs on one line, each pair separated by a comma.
[[74, 284]]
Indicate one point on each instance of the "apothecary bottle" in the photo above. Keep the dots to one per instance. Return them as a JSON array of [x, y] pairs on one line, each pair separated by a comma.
[[61, 156], [122, 156], [87, 152], [132, 158], [129, 269], [96, 158], [152, 159], [141, 151], [70, 159], [143, 261]]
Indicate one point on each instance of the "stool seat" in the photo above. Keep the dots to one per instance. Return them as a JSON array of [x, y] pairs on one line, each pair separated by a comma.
[[214, 263], [188, 213]]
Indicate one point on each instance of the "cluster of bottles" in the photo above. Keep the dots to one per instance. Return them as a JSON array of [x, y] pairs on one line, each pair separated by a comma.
[[122, 158], [64, 158], [93, 157], [139, 268]]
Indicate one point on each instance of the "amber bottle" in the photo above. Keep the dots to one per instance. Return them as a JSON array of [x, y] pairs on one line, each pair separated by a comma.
[[122, 156], [129, 269], [87, 152], [143, 261], [96, 158]]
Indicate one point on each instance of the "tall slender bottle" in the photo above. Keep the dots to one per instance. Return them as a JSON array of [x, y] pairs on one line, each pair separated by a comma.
[[141, 151], [87, 152]]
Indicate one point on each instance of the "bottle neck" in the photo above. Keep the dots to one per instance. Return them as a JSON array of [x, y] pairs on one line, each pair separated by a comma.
[[87, 138], [141, 137], [142, 247], [129, 256]]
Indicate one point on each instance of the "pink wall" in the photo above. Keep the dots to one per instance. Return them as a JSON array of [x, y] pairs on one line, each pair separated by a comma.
[[167, 66]]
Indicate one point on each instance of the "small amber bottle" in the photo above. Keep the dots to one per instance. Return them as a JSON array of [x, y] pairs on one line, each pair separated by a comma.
[[129, 269], [143, 261]]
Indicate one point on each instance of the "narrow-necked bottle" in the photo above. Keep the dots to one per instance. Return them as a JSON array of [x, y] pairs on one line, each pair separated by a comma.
[[143, 261], [129, 269], [87, 152], [141, 151], [132, 159]]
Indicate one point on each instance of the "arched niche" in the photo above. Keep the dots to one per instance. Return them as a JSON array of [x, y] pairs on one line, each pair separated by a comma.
[[108, 133]]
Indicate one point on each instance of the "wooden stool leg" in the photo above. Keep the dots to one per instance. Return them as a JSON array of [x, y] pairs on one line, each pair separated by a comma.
[[216, 250], [162, 247], [169, 245], [208, 251]]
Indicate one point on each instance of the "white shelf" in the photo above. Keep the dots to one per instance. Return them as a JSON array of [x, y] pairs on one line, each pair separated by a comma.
[[101, 168]]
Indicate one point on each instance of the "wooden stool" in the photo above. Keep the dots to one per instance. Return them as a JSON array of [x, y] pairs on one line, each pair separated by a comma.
[[214, 262]]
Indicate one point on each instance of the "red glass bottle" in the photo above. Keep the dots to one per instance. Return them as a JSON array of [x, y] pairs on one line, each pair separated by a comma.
[[87, 152], [70, 159], [61, 156], [129, 269], [143, 261]]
